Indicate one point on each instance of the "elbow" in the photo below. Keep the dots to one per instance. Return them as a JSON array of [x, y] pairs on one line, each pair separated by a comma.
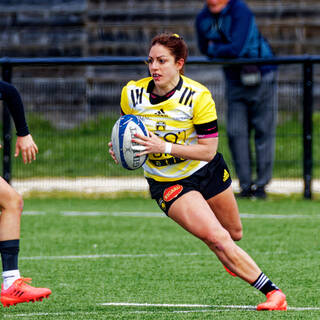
[[211, 156], [212, 150], [234, 53], [208, 149]]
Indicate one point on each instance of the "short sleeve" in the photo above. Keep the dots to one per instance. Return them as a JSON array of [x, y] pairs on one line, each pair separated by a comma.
[[125, 107], [204, 109]]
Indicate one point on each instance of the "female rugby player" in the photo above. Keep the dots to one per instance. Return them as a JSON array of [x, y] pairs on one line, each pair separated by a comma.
[[187, 176], [14, 288]]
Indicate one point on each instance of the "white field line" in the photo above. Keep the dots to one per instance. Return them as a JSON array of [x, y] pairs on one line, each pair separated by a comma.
[[136, 256], [278, 216], [45, 314], [166, 305], [115, 214], [162, 215], [183, 311], [34, 213], [109, 256], [61, 314], [213, 308]]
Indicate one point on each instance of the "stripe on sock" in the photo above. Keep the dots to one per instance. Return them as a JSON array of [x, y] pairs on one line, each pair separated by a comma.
[[264, 284], [261, 281]]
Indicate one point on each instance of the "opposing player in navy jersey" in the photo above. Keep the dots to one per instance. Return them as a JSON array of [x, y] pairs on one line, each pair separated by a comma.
[[186, 175], [14, 288]]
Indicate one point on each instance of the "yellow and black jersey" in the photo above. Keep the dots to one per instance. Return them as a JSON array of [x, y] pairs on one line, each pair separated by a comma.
[[182, 116]]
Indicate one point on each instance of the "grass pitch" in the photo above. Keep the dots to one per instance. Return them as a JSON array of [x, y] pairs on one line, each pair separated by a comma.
[[123, 259]]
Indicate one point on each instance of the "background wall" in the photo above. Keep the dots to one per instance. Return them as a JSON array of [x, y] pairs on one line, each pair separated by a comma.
[[37, 28]]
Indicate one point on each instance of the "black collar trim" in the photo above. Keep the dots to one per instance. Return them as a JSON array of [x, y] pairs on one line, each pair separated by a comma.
[[154, 98]]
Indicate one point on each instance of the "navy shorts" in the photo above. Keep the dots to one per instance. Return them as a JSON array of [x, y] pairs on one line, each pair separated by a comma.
[[210, 180]]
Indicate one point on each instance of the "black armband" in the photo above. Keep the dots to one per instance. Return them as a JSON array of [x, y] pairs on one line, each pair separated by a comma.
[[207, 130]]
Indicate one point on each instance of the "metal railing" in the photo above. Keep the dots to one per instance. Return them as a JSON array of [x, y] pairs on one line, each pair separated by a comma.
[[306, 61]]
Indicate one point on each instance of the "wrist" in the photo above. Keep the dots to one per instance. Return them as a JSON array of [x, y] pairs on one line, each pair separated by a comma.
[[168, 148]]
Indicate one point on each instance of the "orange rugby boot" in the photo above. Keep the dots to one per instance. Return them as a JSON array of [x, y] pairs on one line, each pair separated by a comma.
[[20, 292], [230, 272], [276, 300]]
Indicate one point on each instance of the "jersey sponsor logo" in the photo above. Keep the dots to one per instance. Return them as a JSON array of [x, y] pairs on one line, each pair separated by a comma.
[[160, 126], [172, 192], [226, 175]]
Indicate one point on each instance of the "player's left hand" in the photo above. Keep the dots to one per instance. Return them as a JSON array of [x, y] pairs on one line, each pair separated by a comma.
[[27, 147], [151, 144], [112, 153]]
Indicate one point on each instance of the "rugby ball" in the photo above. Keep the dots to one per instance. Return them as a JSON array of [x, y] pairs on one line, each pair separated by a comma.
[[124, 149]]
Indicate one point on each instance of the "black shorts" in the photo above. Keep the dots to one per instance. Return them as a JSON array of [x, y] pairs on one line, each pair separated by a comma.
[[210, 180]]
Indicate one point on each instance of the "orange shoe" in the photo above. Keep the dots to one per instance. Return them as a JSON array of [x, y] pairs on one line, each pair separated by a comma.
[[276, 300], [230, 272], [20, 292]]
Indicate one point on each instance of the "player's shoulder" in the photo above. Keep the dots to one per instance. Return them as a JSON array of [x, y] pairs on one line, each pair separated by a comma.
[[240, 6], [141, 83], [195, 85]]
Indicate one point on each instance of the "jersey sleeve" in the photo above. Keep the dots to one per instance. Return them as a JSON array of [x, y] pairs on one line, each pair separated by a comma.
[[10, 95], [124, 104], [204, 109], [205, 116]]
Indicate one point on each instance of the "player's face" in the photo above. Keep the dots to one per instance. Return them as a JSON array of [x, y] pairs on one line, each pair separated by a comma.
[[163, 68], [216, 6]]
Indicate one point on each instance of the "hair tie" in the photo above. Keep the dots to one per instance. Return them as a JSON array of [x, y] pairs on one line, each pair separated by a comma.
[[175, 35]]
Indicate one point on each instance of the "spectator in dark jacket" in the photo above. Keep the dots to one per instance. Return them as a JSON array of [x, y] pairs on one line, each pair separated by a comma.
[[227, 29]]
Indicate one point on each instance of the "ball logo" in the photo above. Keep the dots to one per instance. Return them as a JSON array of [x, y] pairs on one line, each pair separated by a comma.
[[172, 192]]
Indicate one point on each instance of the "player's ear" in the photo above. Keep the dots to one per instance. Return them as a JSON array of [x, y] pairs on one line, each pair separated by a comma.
[[180, 63]]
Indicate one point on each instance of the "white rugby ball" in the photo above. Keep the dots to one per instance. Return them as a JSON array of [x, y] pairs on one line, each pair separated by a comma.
[[124, 149]]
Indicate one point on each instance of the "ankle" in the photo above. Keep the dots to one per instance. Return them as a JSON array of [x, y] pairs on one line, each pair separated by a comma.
[[9, 277]]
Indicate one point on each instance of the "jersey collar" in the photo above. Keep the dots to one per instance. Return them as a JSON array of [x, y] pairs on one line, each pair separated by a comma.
[[154, 98]]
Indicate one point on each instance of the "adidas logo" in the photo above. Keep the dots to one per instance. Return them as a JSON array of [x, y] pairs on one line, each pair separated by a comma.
[[226, 175], [161, 113]]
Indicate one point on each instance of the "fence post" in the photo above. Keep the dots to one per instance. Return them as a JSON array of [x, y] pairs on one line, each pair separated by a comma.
[[307, 127], [6, 132]]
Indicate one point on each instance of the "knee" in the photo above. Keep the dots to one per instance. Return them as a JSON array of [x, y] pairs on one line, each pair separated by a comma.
[[217, 240], [236, 234], [14, 203]]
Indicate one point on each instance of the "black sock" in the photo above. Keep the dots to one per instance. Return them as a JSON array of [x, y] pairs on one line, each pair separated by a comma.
[[264, 284], [9, 254]]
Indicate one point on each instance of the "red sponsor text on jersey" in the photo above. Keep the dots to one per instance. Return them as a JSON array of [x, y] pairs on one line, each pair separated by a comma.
[[172, 192]]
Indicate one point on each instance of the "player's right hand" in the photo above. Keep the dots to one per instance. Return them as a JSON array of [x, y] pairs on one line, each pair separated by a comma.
[[27, 147]]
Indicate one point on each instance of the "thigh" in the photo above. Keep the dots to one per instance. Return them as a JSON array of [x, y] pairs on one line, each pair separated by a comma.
[[226, 210], [193, 213]]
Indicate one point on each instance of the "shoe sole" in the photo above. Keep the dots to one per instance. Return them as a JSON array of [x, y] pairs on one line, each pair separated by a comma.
[[283, 307], [7, 302]]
